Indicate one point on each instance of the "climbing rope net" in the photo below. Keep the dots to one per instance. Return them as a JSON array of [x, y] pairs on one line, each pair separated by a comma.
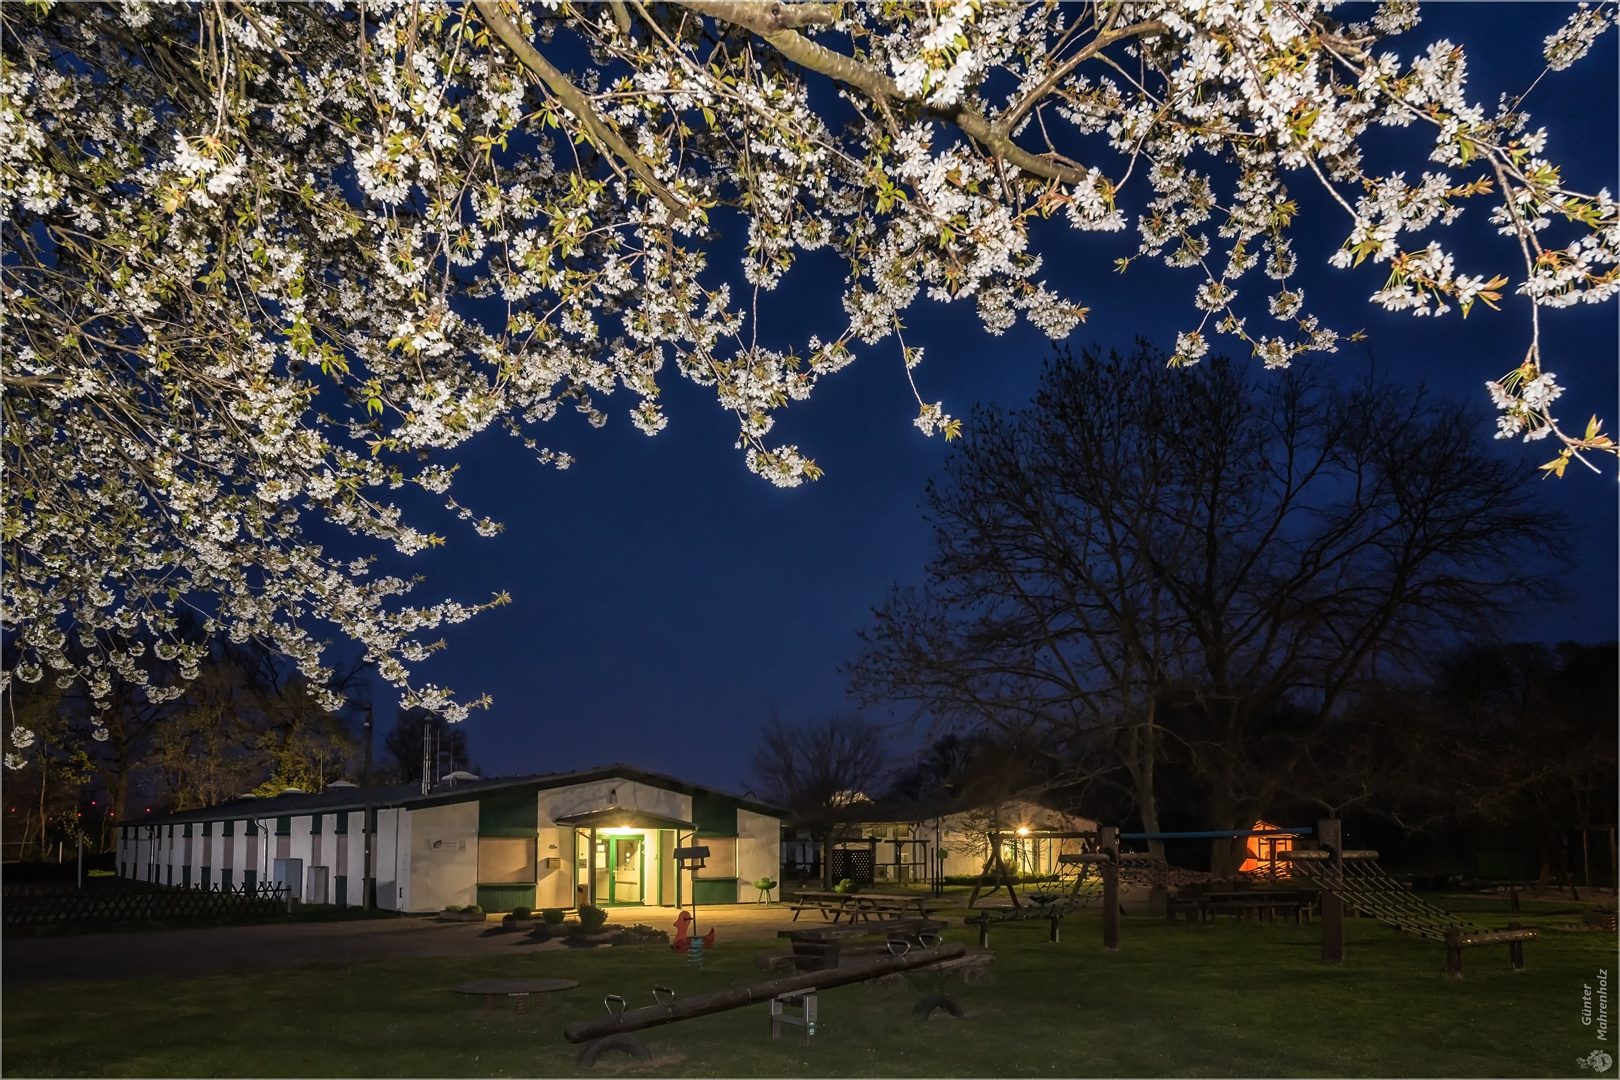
[[1369, 888], [1152, 871]]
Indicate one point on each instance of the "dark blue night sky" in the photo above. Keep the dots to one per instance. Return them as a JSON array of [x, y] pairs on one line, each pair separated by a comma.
[[666, 601]]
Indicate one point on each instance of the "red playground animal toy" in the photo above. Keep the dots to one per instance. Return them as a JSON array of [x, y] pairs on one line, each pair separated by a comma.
[[683, 937]]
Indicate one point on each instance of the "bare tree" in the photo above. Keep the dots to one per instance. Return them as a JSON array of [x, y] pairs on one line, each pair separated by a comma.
[[1152, 565], [822, 773]]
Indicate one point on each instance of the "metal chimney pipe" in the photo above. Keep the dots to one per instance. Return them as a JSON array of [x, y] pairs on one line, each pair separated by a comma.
[[427, 757]]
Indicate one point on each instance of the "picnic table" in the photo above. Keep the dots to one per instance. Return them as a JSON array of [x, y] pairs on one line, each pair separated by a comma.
[[866, 906], [490, 989]]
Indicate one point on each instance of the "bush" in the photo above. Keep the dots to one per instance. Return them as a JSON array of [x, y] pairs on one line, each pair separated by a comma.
[[473, 909], [847, 885], [521, 912], [553, 916], [591, 918]]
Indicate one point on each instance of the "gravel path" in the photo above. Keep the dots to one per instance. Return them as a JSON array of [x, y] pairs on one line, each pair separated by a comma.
[[230, 949]]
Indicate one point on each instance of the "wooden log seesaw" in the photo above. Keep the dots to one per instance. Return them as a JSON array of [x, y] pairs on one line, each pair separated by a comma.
[[613, 1032]]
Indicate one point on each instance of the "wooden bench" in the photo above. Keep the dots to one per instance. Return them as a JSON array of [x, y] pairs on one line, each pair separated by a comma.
[[1263, 904], [819, 947], [1513, 937]]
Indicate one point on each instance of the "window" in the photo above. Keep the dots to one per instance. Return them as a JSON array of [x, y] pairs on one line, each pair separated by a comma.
[[228, 829], [208, 828], [315, 824], [340, 825], [171, 873], [505, 859], [250, 879], [284, 825], [341, 899], [225, 881], [171, 831], [185, 877], [207, 876], [722, 860]]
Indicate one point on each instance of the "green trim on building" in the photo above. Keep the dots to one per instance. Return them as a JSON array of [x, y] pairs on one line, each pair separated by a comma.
[[716, 815], [229, 828], [341, 894], [208, 828], [340, 823], [509, 813], [315, 824], [493, 898], [284, 825]]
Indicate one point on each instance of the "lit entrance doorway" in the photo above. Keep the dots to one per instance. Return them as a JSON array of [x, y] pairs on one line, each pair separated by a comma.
[[621, 870], [625, 855]]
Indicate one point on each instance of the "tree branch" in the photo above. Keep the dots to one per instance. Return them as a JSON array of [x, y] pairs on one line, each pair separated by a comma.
[[764, 19], [1008, 121], [598, 129]]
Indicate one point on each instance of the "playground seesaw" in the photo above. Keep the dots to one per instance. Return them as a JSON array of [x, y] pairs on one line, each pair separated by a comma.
[[613, 1032]]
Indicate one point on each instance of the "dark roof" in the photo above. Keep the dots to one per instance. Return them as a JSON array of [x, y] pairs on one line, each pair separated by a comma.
[[387, 796]]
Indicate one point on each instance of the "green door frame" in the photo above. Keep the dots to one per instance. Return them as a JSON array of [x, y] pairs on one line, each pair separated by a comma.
[[612, 855]]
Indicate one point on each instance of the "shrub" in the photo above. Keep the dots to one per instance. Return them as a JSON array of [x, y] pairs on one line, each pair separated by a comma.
[[473, 909], [846, 885], [521, 912], [591, 918], [553, 916], [449, 908]]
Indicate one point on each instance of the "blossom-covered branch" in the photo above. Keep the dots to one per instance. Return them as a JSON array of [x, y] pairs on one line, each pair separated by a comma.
[[267, 264]]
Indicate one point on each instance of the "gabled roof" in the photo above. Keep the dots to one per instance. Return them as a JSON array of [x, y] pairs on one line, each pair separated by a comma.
[[409, 796]]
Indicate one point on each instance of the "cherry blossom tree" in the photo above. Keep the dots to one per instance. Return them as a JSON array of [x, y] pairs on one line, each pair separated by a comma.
[[265, 263]]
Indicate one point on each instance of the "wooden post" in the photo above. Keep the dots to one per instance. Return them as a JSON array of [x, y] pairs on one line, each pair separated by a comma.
[[1332, 928], [984, 931], [1055, 920], [1453, 953], [1108, 843], [1516, 950], [1330, 837]]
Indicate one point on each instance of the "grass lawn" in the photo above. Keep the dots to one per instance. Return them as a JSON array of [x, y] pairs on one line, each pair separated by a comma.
[[1177, 1000]]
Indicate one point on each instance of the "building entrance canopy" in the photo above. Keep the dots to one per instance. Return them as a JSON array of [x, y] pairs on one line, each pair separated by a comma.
[[622, 817]]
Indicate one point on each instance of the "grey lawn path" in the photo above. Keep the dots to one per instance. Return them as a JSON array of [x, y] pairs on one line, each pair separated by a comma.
[[227, 949]]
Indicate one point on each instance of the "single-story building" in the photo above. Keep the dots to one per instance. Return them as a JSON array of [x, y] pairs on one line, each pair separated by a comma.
[[905, 843], [603, 836]]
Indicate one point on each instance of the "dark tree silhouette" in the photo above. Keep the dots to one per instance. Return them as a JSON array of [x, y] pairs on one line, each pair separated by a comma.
[[822, 772], [447, 746], [1201, 567]]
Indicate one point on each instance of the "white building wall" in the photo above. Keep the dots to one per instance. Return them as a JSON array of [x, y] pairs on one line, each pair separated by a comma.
[[354, 863], [444, 856], [759, 852], [555, 887], [393, 858]]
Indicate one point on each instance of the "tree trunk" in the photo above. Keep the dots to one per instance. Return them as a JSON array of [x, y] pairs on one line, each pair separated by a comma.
[[1142, 773]]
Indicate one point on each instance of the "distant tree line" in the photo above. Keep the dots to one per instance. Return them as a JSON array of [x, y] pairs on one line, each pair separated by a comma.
[[245, 722]]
